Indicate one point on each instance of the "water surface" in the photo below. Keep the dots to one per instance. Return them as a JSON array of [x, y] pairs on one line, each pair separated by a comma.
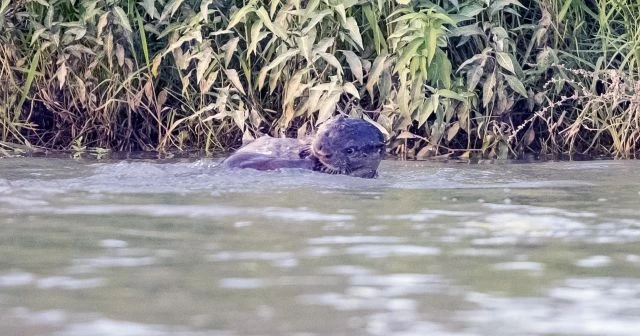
[[187, 248]]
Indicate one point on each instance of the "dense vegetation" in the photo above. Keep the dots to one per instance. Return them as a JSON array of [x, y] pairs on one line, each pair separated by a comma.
[[483, 78]]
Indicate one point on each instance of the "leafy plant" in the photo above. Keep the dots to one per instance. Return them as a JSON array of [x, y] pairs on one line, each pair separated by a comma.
[[440, 78]]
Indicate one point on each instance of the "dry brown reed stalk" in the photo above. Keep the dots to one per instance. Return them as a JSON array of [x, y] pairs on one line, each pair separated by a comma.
[[601, 116]]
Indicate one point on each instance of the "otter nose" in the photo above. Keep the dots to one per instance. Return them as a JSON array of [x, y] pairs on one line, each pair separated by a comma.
[[323, 153]]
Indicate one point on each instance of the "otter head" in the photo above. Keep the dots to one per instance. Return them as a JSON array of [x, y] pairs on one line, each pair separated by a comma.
[[348, 146]]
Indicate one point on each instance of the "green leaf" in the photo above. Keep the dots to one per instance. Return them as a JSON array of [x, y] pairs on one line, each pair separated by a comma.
[[469, 30], [261, 77], [30, 76], [498, 5], [471, 10], [255, 36], [229, 49], [408, 53], [310, 9], [487, 90], [316, 18], [328, 105], [48, 20], [453, 131], [451, 94], [499, 33], [36, 34], [446, 19], [379, 41], [564, 10], [43, 2], [323, 45], [170, 9], [432, 44], [193, 35], [505, 61], [282, 58], [444, 69], [4, 5], [150, 7], [354, 31], [333, 61], [374, 73], [402, 99], [274, 6], [78, 32], [143, 39], [272, 26], [354, 64], [427, 109], [516, 85], [305, 43], [204, 10], [341, 13], [481, 56], [204, 59], [122, 18], [239, 15], [349, 88], [233, 77], [411, 16]]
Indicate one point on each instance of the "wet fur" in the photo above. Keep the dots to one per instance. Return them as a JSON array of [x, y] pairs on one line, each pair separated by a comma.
[[325, 152]]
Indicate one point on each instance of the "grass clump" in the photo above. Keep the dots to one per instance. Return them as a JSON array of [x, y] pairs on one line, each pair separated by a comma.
[[441, 78]]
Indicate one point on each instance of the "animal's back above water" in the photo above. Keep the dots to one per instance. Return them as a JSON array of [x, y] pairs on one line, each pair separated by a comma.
[[341, 146], [267, 153]]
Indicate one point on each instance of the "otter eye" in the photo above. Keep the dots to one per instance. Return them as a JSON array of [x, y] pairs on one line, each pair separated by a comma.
[[350, 150]]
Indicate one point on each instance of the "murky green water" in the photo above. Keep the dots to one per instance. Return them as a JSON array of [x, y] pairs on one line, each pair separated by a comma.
[[187, 248]]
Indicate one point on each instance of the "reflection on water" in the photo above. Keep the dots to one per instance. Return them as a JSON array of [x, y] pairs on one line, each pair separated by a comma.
[[188, 248]]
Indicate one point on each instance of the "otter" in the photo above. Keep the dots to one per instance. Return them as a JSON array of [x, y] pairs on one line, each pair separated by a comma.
[[351, 147]]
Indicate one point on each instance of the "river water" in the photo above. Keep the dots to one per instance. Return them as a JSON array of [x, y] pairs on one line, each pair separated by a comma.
[[188, 248]]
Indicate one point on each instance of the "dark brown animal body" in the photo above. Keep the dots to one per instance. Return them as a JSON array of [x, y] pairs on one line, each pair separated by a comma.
[[342, 146]]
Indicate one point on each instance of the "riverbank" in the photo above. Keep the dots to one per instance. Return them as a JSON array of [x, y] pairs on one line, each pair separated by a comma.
[[494, 79]]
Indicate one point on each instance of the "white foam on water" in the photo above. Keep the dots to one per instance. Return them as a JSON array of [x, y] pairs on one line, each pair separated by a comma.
[[113, 243], [50, 316], [16, 278], [21, 202], [189, 211], [479, 252], [109, 327], [594, 261], [384, 251], [587, 306], [346, 270], [519, 266], [346, 240], [69, 283], [241, 283], [249, 255], [84, 265], [83, 324], [400, 284]]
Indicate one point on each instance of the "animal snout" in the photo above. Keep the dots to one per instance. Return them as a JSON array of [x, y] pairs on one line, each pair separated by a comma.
[[323, 153]]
